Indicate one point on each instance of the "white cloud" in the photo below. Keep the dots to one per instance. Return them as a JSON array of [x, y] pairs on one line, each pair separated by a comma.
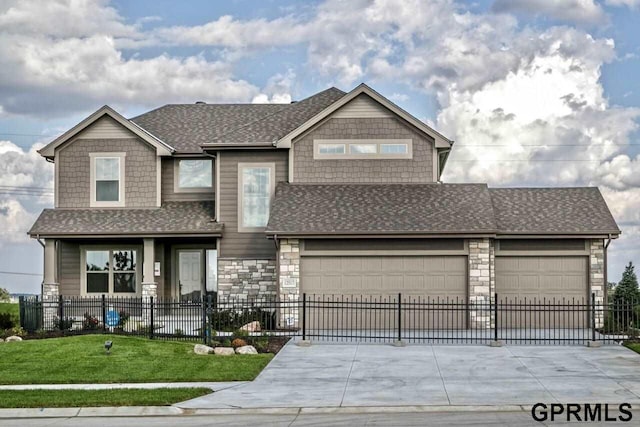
[[576, 11], [628, 3], [277, 90]]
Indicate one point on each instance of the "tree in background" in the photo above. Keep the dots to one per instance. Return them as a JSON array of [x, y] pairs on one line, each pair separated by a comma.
[[4, 295], [626, 298], [627, 288]]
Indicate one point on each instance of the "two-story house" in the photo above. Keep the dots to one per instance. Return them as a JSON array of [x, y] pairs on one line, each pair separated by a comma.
[[339, 193]]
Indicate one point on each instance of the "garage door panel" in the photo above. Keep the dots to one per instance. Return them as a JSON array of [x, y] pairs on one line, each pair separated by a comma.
[[542, 279], [372, 276]]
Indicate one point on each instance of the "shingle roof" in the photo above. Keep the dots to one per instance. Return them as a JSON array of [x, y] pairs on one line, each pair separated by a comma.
[[171, 218], [578, 210], [187, 126], [307, 209], [381, 209]]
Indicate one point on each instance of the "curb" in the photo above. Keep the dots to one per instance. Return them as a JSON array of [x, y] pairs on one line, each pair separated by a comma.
[[154, 411]]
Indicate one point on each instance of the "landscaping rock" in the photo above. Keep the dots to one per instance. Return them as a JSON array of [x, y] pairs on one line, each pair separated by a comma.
[[247, 349], [13, 338], [202, 349], [251, 327], [223, 351]]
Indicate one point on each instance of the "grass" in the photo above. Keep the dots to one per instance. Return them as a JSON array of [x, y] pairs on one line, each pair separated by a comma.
[[82, 359], [86, 398], [633, 346]]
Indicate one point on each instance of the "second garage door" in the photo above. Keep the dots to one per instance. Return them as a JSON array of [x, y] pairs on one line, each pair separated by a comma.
[[432, 276]]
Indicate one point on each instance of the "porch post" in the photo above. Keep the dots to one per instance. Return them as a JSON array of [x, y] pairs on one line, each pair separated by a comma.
[[50, 285], [149, 286], [481, 282], [289, 281], [597, 279]]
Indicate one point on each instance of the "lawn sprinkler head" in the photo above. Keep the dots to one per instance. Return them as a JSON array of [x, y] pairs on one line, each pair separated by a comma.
[[107, 346]]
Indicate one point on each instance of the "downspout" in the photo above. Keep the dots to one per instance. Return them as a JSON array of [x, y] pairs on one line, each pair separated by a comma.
[[606, 268], [43, 261]]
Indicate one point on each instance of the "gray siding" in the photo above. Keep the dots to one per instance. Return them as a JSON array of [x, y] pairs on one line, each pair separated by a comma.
[[419, 169], [69, 268], [244, 245], [169, 165], [74, 171]]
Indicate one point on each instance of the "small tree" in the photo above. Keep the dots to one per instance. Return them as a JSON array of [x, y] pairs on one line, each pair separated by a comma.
[[626, 296], [4, 295]]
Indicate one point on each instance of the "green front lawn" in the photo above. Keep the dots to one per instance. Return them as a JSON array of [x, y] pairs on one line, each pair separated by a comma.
[[82, 359], [633, 346], [86, 398]]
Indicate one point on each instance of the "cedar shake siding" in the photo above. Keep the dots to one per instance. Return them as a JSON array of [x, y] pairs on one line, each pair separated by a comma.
[[418, 169], [169, 167], [69, 268], [253, 245], [74, 182]]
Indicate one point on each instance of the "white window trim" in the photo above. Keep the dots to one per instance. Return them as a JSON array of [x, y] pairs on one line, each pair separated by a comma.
[[348, 155], [272, 190], [121, 187], [110, 248], [176, 178]]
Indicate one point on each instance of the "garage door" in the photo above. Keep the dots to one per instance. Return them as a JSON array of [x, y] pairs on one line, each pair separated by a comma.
[[374, 276], [562, 279]]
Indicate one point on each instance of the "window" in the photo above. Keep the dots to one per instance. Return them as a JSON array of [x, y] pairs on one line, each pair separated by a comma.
[[394, 148], [349, 149], [194, 175], [111, 271], [331, 148], [256, 187], [363, 148], [107, 179]]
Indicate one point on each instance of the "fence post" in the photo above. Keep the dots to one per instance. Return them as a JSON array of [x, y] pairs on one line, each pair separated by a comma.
[[399, 317], [104, 315], [593, 316], [304, 316], [22, 310], [61, 321], [207, 320], [151, 327], [495, 316]]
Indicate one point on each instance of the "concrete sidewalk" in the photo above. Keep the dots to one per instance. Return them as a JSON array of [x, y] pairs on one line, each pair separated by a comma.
[[352, 375], [215, 386]]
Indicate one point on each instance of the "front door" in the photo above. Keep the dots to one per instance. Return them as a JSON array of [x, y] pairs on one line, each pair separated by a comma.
[[190, 274]]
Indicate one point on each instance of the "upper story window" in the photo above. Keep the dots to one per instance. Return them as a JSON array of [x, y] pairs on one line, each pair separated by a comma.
[[347, 149], [107, 179], [256, 185], [194, 175]]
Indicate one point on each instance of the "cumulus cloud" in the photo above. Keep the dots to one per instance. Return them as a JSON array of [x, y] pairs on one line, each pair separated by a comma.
[[24, 169], [628, 3], [576, 11]]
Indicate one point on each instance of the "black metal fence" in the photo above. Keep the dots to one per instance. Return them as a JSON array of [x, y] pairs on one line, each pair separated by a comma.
[[345, 318]]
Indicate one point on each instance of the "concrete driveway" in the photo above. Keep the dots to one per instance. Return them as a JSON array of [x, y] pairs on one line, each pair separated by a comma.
[[352, 375]]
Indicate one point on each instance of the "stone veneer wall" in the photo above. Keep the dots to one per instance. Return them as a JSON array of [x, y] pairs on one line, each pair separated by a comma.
[[289, 281], [596, 277], [246, 278], [50, 299], [482, 281]]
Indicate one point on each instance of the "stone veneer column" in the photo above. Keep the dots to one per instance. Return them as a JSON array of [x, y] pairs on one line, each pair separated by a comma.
[[481, 282], [50, 286], [149, 286], [251, 279], [596, 277], [289, 281]]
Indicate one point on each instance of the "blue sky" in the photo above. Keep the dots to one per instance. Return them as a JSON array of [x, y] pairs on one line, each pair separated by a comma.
[[535, 93]]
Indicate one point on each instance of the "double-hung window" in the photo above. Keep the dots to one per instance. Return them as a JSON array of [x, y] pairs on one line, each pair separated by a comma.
[[107, 179], [256, 184], [111, 271], [194, 175]]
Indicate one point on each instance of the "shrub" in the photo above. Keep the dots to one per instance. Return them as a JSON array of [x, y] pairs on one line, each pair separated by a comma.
[[230, 320], [238, 342], [240, 333], [261, 344], [90, 323], [226, 343], [124, 316], [64, 324], [178, 332], [7, 321]]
